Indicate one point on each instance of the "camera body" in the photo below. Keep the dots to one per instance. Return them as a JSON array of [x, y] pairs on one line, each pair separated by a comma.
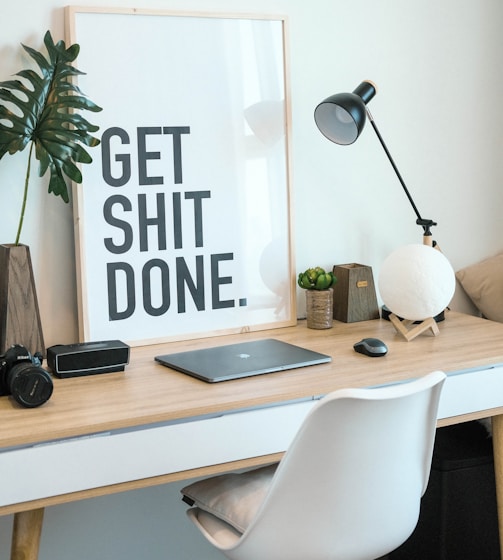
[[22, 376]]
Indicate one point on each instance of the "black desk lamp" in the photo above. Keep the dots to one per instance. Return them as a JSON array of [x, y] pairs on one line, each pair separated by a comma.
[[341, 118]]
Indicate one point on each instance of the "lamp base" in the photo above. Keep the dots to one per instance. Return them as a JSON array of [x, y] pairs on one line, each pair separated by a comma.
[[386, 312], [403, 327]]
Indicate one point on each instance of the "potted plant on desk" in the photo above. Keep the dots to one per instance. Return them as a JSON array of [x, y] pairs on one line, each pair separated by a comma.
[[39, 111], [319, 296]]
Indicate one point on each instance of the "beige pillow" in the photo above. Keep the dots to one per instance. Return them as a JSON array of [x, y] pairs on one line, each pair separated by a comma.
[[234, 497], [483, 282]]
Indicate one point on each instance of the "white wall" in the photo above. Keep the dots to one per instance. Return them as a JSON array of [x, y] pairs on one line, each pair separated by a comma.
[[437, 64]]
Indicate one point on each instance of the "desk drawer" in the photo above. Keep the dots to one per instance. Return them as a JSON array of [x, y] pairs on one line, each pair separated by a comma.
[[469, 391], [100, 460], [103, 459]]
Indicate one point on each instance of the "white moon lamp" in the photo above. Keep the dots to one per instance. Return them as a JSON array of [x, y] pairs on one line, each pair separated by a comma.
[[416, 283]]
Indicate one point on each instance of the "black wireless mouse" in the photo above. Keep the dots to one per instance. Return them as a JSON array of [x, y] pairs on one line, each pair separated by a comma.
[[371, 347]]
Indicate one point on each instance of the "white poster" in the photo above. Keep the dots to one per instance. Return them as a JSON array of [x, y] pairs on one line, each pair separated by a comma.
[[183, 218]]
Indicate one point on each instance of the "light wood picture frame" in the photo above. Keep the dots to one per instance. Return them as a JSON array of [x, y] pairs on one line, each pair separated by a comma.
[[183, 221]]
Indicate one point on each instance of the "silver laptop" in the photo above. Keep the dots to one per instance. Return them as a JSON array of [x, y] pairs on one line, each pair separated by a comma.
[[245, 359]]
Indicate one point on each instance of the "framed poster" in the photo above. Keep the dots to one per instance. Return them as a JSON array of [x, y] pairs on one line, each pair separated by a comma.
[[183, 222]]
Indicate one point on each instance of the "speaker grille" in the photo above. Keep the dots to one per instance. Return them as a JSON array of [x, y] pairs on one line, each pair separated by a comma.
[[88, 358]]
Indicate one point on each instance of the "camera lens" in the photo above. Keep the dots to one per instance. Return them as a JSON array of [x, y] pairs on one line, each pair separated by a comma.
[[29, 384]]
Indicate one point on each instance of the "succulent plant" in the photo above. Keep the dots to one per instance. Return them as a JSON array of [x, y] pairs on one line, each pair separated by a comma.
[[316, 279]]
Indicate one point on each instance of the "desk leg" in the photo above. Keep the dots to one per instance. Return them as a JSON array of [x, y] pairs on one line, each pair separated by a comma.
[[26, 534], [497, 426]]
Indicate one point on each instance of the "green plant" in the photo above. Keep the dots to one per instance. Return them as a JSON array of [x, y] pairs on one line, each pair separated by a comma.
[[41, 110], [316, 279]]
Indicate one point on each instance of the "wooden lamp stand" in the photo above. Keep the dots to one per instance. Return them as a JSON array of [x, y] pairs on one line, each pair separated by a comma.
[[409, 330]]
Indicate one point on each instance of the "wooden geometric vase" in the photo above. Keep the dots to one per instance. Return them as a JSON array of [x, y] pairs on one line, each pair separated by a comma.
[[354, 294], [19, 314]]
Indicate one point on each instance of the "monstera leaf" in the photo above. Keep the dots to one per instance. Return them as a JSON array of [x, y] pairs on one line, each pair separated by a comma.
[[42, 110]]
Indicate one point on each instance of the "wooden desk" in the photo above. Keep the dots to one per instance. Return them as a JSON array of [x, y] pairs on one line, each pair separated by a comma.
[[151, 425]]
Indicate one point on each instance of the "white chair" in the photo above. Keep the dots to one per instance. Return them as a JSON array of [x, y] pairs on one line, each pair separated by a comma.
[[348, 487]]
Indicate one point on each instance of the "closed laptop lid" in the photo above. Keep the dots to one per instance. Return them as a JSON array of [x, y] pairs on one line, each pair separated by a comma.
[[244, 359]]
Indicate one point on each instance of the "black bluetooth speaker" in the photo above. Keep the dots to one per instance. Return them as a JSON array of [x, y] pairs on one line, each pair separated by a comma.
[[87, 358]]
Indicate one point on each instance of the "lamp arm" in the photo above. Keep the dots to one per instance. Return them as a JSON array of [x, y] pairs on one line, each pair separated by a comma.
[[425, 224]]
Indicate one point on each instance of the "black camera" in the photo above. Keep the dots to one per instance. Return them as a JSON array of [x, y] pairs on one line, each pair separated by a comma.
[[22, 376]]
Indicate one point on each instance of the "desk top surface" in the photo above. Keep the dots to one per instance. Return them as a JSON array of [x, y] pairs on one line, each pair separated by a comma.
[[148, 392]]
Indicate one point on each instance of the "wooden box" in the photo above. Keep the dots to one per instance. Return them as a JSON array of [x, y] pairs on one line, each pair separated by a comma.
[[354, 293]]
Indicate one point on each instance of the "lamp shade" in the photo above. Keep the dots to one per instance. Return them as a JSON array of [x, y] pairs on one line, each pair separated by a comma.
[[341, 117], [416, 282]]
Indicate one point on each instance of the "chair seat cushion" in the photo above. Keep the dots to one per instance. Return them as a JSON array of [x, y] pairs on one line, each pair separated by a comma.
[[235, 497]]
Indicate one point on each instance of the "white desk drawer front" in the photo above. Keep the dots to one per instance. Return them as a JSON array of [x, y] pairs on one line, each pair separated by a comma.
[[470, 391], [81, 464]]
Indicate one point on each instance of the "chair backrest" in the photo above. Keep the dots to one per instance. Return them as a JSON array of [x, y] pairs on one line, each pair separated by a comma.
[[350, 484]]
